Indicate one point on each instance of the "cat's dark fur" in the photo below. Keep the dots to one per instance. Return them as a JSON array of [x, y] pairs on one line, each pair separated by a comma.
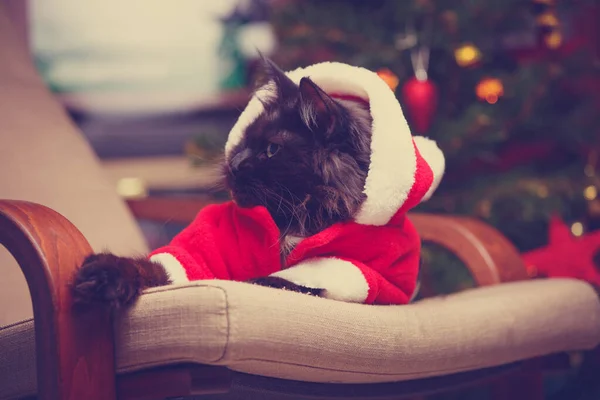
[[115, 281], [322, 151], [305, 159]]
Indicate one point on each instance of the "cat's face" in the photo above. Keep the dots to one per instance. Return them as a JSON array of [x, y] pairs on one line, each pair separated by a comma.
[[305, 158]]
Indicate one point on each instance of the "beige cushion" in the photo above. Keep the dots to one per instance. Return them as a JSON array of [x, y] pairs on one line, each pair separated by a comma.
[[287, 335], [45, 159]]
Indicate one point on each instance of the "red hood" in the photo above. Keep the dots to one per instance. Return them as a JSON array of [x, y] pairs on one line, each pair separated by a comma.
[[404, 170]]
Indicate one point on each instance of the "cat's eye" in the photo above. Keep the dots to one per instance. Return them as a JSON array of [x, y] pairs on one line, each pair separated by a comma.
[[272, 149]]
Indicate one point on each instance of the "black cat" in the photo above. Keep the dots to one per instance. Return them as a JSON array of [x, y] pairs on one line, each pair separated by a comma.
[[305, 159]]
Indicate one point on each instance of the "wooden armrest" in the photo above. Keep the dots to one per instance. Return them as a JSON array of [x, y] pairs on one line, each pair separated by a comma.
[[488, 255], [169, 209], [75, 356]]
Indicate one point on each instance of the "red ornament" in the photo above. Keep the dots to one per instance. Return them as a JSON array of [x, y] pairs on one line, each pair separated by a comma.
[[566, 256], [420, 98]]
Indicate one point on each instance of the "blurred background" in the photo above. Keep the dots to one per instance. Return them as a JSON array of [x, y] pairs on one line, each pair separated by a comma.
[[510, 89]]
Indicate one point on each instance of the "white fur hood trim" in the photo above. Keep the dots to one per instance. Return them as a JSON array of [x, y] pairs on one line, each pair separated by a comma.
[[393, 158]]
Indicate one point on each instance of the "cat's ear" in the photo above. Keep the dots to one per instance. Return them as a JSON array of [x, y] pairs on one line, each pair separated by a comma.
[[268, 71], [319, 112]]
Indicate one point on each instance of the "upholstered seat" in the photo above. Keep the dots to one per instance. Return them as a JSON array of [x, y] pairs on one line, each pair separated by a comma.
[[286, 335]]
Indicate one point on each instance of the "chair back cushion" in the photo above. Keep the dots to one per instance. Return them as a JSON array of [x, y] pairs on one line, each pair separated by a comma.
[[45, 159]]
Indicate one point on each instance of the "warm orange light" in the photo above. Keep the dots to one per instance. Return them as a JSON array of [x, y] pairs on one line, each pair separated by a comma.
[[490, 90], [590, 192], [467, 55], [553, 40], [389, 77], [547, 19]]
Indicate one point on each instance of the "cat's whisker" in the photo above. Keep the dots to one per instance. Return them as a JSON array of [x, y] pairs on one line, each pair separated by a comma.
[[279, 205], [300, 217], [288, 209]]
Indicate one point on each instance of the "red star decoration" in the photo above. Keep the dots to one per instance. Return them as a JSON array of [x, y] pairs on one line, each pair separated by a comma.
[[566, 256]]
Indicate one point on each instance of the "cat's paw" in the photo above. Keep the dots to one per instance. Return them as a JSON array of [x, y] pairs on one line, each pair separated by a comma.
[[105, 279], [284, 284]]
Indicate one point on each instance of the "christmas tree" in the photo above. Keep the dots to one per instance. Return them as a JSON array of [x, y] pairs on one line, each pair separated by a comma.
[[496, 83]]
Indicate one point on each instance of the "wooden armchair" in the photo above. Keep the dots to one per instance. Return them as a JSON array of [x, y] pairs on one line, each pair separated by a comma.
[[229, 339], [75, 352]]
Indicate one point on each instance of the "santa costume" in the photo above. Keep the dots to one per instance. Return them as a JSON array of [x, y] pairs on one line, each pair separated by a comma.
[[373, 259]]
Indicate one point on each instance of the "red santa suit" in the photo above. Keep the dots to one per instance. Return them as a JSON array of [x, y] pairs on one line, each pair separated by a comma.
[[373, 259]]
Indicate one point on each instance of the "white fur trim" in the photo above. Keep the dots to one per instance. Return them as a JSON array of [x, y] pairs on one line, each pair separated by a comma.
[[173, 267], [250, 113], [393, 161], [435, 158], [341, 279]]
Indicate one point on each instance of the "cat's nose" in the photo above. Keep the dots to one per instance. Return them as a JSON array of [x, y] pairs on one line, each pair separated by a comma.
[[239, 159]]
